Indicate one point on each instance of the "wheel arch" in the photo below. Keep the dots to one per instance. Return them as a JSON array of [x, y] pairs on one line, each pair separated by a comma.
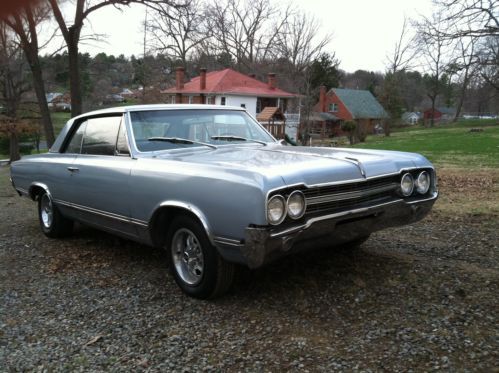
[[35, 189], [164, 214]]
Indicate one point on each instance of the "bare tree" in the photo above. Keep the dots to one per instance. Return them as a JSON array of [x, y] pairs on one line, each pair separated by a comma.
[[178, 31], [400, 60], [465, 66], [298, 41], [71, 32], [24, 24], [488, 60], [477, 18], [433, 48], [246, 29], [403, 55], [12, 86]]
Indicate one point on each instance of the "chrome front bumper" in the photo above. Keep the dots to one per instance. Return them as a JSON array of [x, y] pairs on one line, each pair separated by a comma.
[[263, 245]]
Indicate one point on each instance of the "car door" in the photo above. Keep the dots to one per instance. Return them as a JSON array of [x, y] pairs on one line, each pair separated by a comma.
[[99, 186]]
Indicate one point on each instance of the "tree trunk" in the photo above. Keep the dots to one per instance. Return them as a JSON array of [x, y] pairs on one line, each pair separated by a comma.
[[461, 97], [432, 117], [386, 127], [14, 144], [74, 76], [39, 86]]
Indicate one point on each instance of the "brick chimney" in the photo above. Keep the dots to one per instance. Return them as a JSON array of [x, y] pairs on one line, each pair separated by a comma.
[[271, 81], [322, 98], [179, 78], [202, 78]]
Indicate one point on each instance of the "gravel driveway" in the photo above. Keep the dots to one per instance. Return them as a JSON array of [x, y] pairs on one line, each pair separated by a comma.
[[423, 297]]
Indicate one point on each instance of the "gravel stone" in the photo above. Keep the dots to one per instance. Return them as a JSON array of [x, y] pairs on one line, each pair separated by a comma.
[[416, 298]]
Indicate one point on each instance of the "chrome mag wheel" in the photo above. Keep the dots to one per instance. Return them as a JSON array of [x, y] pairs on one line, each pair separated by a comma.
[[46, 211], [188, 257]]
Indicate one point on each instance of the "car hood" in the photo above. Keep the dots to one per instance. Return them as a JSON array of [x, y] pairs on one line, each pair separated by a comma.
[[308, 165]]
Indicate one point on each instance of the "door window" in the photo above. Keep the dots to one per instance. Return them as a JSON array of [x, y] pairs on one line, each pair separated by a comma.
[[74, 145], [99, 136]]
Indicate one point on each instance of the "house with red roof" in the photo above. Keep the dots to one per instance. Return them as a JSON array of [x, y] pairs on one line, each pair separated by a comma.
[[231, 88]]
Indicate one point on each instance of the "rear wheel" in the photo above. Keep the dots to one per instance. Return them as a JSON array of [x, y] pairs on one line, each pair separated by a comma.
[[52, 223], [196, 265]]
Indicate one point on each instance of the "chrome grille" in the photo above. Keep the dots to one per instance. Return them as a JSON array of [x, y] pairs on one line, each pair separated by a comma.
[[352, 195]]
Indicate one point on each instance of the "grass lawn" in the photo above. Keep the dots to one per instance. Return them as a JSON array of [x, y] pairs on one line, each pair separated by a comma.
[[452, 145], [59, 119]]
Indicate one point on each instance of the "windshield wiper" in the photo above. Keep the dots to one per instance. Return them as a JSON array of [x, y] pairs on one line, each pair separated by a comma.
[[179, 140], [236, 138]]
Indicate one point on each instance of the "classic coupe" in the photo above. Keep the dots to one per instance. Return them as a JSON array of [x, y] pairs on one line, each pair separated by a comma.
[[215, 189]]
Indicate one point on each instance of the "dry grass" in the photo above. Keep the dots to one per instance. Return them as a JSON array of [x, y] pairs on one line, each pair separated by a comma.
[[468, 192]]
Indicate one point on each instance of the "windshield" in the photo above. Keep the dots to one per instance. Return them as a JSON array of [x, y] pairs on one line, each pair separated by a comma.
[[216, 127]]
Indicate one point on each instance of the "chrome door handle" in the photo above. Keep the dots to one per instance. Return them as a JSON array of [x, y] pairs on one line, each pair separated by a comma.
[[73, 169]]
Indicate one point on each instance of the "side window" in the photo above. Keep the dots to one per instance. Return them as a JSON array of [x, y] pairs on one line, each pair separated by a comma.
[[121, 144], [101, 136], [74, 145]]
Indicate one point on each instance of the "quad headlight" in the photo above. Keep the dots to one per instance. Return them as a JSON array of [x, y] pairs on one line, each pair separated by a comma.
[[276, 209], [423, 182], [406, 185], [296, 205]]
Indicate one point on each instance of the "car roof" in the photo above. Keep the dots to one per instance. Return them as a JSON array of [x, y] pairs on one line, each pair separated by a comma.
[[129, 108]]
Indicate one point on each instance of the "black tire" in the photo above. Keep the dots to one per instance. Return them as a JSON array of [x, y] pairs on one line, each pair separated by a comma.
[[52, 223], [196, 265]]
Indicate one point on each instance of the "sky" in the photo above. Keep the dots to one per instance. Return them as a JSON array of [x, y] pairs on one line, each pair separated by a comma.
[[364, 31]]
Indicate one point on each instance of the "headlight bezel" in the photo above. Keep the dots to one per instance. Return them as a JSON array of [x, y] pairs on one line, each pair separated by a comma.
[[284, 209], [406, 193], [304, 205], [417, 182]]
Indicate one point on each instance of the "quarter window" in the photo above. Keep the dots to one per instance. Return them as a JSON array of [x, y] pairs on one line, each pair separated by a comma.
[[121, 144]]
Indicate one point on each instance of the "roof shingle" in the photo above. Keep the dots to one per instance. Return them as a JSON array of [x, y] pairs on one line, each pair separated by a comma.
[[361, 104], [229, 81]]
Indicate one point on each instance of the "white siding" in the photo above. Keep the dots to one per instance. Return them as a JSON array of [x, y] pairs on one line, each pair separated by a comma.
[[250, 102]]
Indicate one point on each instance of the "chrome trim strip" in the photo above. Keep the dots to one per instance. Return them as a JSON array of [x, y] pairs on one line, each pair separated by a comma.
[[358, 164], [311, 221], [350, 195], [22, 191], [228, 241], [193, 209], [41, 185], [106, 214]]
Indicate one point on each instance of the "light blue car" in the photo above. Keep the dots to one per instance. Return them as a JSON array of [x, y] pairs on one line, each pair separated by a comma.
[[216, 190]]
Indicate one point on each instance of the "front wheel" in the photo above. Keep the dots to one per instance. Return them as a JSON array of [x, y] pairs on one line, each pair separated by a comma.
[[52, 223], [196, 265]]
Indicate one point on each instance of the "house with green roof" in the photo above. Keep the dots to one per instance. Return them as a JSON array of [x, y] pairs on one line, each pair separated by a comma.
[[355, 105]]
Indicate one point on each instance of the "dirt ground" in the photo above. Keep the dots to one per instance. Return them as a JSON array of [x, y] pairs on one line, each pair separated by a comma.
[[416, 298]]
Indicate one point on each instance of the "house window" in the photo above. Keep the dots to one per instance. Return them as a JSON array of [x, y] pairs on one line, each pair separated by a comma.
[[190, 99], [209, 100], [333, 108], [222, 101], [243, 106]]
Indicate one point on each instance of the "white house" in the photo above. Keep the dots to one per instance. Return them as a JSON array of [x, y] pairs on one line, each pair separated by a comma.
[[228, 87]]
